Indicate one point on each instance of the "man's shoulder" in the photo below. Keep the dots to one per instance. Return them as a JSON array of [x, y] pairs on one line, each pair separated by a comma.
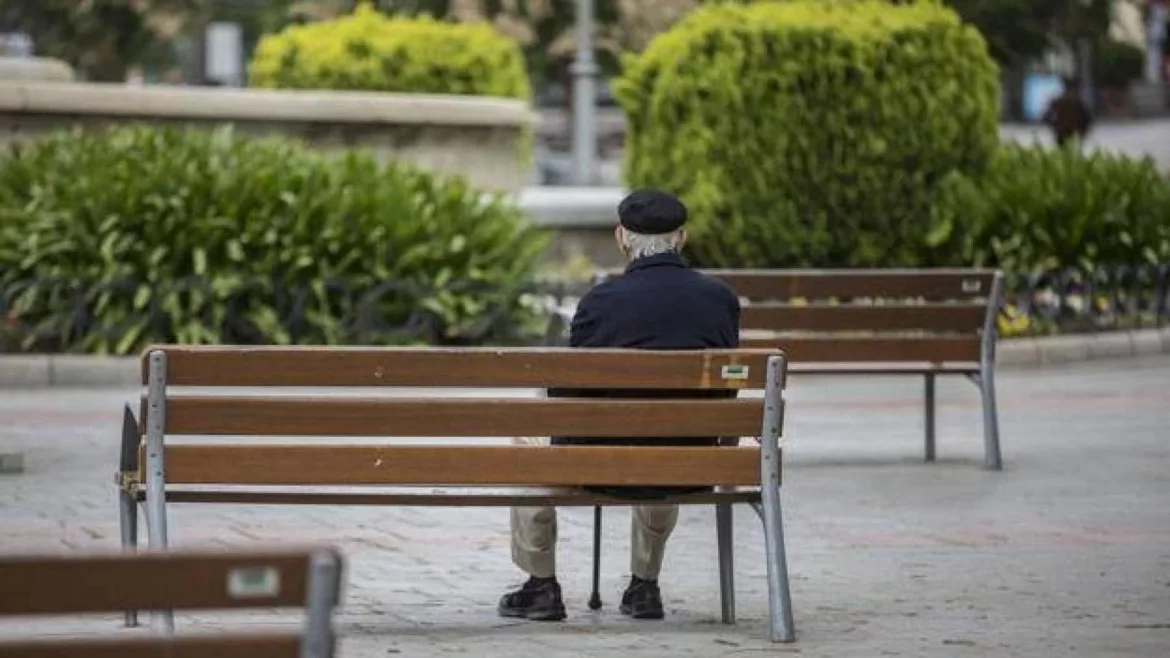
[[714, 286], [600, 291], [683, 277]]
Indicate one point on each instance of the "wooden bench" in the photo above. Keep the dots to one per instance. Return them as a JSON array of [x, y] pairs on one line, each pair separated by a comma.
[[39, 585], [466, 473], [923, 322]]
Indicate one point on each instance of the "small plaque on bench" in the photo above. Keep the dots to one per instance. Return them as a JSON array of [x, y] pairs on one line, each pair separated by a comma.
[[735, 372], [253, 583]]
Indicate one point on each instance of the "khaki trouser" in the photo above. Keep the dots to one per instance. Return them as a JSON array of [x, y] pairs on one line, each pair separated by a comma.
[[534, 534]]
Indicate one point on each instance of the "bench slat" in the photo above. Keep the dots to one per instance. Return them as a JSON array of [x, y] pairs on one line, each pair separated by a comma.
[[445, 497], [252, 645], [475, 417], [936, 284], [889, 349], [460, 465], [888, 317], [463, 367], [147, 581]]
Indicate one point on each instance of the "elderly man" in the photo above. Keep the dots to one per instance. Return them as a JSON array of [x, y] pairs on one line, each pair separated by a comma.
[[658, 304]]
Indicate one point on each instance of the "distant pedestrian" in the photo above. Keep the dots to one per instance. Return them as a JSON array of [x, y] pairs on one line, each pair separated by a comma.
[[1068, 116]]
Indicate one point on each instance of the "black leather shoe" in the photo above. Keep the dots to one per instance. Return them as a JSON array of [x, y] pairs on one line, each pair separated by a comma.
[[538, 600], [642, 600]]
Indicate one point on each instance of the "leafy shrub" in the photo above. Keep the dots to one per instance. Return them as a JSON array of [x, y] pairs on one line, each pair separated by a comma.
[[371, 52], [1119, 63], [1041, 209], [808, 133], [112, 240]]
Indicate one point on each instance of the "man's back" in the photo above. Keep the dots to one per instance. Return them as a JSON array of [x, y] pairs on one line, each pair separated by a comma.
[[658, 304]]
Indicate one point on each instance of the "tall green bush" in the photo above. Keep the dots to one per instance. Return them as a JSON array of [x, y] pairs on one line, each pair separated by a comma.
[[112, 240], [810, 133], [371, 52], [1039, 209]]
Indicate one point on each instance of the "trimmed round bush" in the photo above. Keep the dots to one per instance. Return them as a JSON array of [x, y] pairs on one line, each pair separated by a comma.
[[372, 52], [810, 133], [113, 240]]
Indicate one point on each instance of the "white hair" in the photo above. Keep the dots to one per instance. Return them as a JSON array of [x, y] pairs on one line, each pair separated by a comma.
[[640, 245]]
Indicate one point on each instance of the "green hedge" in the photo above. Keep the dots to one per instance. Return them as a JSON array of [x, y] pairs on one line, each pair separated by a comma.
[[809, 133], [371, 52], [123, 222], [1038, 209], [1119, 64]]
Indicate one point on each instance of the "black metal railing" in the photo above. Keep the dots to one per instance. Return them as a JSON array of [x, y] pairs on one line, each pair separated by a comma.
[[1078, 300]]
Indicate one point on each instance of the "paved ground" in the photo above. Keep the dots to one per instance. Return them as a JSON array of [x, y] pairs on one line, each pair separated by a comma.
[[1065, 553], [1139, 138]]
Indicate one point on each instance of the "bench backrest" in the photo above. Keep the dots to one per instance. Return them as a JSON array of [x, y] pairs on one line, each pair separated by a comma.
[[859, 315], [55, 585], [450, 413]]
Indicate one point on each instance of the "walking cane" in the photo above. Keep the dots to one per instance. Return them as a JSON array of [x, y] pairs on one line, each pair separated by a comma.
[[595, 597]]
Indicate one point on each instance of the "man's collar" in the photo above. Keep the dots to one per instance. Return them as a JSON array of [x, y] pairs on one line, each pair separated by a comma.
[[668, 259]]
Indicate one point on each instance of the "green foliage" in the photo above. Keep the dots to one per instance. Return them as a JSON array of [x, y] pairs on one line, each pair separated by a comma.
[[1019, 30], [116, 239], [809, 133], [371, 52], [1039, 209], [1119, 64], [102, 40]]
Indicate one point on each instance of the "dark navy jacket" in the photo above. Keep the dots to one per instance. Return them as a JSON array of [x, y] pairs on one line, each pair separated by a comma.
[[658, 304]]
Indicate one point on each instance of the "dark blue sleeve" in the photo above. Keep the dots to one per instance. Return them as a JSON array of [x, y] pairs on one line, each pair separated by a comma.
[[585, 321], [582, 333]]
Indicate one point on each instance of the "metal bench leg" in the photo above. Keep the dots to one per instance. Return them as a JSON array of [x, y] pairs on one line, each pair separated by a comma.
[[162, 621], [780, 626], [127, 498], [991, 459], [128, 513], [323, 593], [930, 422], [986, 379], [724, 524], [595, 595]]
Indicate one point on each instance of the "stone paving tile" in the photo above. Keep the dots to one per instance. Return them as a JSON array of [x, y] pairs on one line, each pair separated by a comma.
[[1065, 553]]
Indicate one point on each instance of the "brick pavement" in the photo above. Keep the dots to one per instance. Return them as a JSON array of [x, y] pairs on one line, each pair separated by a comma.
[[1067, 552]]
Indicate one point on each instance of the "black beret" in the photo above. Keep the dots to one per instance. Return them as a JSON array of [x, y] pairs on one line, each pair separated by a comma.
[[650, 212]]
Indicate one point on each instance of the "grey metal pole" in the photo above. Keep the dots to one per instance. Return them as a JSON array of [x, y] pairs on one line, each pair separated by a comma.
[[1156, 41], [584, 70], [1088, 93]]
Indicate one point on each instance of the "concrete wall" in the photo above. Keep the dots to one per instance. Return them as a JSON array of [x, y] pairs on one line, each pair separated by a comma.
[[581, 220], [477, 137], [34, 68]]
